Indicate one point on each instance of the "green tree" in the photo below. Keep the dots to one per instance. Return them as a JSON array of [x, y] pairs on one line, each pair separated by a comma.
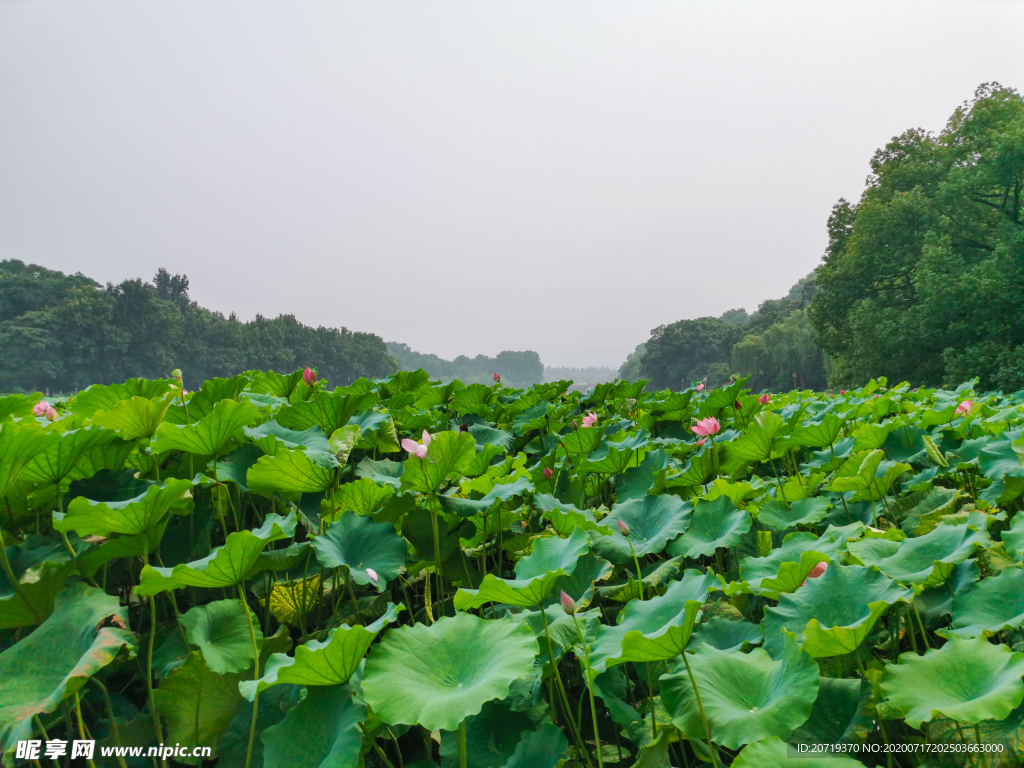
[[686, 350]]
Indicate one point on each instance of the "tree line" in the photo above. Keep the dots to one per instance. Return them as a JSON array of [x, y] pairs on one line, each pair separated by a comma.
[[63, 332], [922, 279], [518, 369]]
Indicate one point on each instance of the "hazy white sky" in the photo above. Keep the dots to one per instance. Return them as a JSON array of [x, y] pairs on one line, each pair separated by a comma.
[[467, 177]]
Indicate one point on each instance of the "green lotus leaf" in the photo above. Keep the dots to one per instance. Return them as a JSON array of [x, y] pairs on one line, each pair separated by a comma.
[[210, 435], [221, 632], [292, 472], [713, 524], [542, 748], [378, 432], [653, 522], [921, 512], [747, 697], [330, 411], [927, 559], [359, 543], [485, 435], [271, 437], [197, 703], [499, 493], [449, 454], [565, 517], [989, 606], [18, 406], [204, 400], [57, 659], [779, 515], [331, 661], [321, 731], [439, 675], [758, 442], [657, 575], [726, 634], [363, 496], [225, 566], [383, 472], [582, 442], [843, 712], [135, 418], [19, 445], [614, 457], [41, 568], [1013, 539], [815, 434], [579, 584], [493, 735], [104, 397], [482, 461], [236, 465], [786, 567], [656, 629], [282, 385], [343, 440], [966, 680], [696, 471], [832, 614], [858, 473], [134, 516], [536, 574], [773, 753]]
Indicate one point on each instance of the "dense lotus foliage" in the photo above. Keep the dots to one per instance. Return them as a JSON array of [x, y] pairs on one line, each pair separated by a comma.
[[404, 573]]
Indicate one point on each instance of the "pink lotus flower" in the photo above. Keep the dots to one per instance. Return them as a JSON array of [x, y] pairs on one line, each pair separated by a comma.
[[496, 377], [372, 574], [623, 528], [568, 604], [50, 414], [842, 391], [705, 427], [915, 389], [417, 449], [764, 399], [816, 571], [548, 474], [964, 407], [876, 397], [309, 376], [39, 409], [700, 387], [589, 419]]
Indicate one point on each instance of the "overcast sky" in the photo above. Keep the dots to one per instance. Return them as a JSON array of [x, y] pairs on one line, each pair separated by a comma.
[[467, 177]]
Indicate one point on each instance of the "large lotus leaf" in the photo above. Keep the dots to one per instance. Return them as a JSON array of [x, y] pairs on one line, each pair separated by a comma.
[[656, 576], [210, 435], [746, 696], [927, 559], [492, 736], [499, 493], [292, 472], [134, 516], [439, 675], [225, 566], [448, 456], [694, 473], [65, 459], [197, 703], [282, 385], [832, 614], [713, 524], [757, 443], [331, 661], [565, 517], [19, 445], [921, 512], [104, 397], [221, 632], [966, 680], [858, 473], [579, 584], [57, 659], [321, 731], [773, 753], [330, 411], [786, 567], [363, 496], [542, 748], [656, 629], [726, 634], [581, 442], [613, 458], [271, 437], [779, 515], [358, 543], [135, 418], [990, 606], [815, 434], [236, 465], [383, 472], [536, 574], [843, 712], [41, 568], [1013, 539], [653, 522], [18, 406]]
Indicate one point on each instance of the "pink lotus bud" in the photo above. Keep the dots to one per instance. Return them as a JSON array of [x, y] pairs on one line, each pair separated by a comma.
[[842, 391], [705, 427], [700, 387], [372, 574], [309, 376], [876, 397], [568, 604], [737, 406], [575, 425], [496, 377], [964, 407], [50, 414], [764, 399], [39, 409], [816, 571], [915, 389], [548, 474], [623, 528]]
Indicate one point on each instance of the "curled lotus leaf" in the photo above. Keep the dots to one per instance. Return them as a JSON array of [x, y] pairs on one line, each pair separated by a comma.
[[131, 517], [653, 522], [713, 524], [928, 559]]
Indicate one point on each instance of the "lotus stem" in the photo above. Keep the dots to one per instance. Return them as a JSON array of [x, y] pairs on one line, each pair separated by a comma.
[[636, 562], [703, 716], [590, 690], [13, 581], [561, 688], [256, 673], [352, 594], [110, 713], [921, 625], [149, 676], [461, 739], [81, 725]]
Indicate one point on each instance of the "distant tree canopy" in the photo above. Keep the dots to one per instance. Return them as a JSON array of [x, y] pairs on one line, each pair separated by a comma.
[[923, 279], [64, 332], [590, 376], [520, 369]]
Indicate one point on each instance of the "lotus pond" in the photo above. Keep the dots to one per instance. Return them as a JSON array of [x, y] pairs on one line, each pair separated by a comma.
[[405, 573]]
